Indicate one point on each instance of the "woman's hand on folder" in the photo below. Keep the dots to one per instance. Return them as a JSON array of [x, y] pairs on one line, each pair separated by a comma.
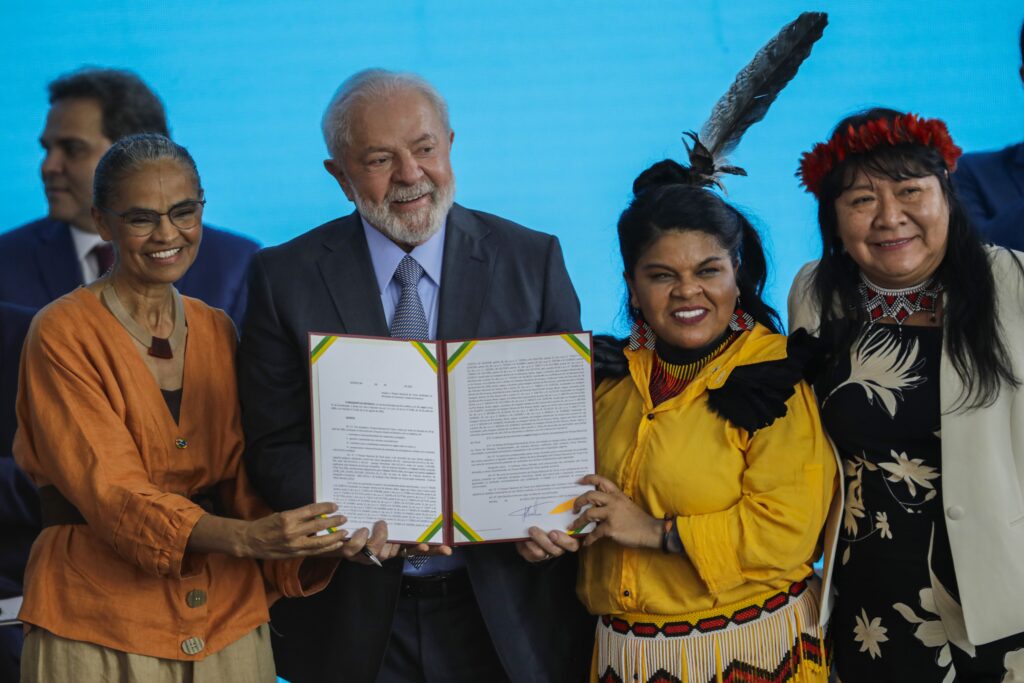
[[281, 535], [617, 517]]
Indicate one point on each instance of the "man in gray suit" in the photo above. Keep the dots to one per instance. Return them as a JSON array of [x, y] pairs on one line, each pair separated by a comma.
[[409, 263]]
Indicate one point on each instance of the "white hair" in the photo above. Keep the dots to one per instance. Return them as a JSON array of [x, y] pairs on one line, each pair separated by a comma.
[[366, 85]]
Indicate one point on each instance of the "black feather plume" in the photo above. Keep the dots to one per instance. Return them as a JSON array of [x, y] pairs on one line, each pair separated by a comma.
[[753, 91]]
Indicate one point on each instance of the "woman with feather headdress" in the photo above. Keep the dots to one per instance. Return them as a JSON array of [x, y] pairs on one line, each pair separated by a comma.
[[921, 331], [714, 474]]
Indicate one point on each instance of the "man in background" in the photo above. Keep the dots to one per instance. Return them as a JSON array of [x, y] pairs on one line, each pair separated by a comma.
[[90, 109], [410, 263], [991, 187]]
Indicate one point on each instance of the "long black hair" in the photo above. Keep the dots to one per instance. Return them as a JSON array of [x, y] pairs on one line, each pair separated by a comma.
[[669, 197], [972, 334]]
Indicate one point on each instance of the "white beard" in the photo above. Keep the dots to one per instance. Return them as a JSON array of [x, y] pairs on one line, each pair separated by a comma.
[[413, 228]]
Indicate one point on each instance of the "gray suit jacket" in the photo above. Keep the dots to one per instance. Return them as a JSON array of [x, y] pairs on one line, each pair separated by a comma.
[[498, 279]]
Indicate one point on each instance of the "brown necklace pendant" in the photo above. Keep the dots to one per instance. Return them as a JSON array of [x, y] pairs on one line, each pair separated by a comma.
[[156, 347], [160, 347]]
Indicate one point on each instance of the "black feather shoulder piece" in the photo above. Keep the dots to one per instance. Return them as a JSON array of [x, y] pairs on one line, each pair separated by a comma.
[[609, 359], [751, 94], [755, 395]]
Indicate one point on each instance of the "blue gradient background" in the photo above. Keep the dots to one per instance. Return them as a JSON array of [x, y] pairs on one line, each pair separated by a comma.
[[556, 106]]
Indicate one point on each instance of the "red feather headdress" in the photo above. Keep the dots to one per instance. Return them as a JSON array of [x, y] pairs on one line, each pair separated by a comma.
[[905, 128]]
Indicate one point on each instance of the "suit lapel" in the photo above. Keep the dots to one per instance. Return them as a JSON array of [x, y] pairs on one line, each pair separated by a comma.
[[468, 257], [348, 274], [56, 258]]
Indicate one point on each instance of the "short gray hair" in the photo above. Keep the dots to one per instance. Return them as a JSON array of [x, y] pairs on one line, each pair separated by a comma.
[[128, 154], [366, 85]]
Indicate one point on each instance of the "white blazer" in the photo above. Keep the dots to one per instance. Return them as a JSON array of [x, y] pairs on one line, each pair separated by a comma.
[[982, 475]]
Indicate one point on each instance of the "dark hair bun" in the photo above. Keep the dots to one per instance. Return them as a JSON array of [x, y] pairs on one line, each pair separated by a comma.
[[667, 172]]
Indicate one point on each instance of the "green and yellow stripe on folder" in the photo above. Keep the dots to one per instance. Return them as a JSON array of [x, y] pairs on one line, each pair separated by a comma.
[[431, 531], [320, 348], [424, 351], [459, 354], [577, 344], [464, 528]]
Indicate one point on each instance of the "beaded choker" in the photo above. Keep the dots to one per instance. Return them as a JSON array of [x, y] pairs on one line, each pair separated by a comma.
[[669, 378], [159, 347], [899, 304]]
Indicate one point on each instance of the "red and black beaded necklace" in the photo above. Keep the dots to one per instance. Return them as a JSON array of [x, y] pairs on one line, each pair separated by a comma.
[[671, 371], [899, 304]]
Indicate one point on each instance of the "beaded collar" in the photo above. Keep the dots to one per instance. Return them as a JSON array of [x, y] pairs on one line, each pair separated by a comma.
[[899, 304], [673, 369]]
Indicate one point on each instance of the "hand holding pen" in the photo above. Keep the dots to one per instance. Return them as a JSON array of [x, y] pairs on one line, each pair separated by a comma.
[[367, 547], [364, 546], [391, 550]]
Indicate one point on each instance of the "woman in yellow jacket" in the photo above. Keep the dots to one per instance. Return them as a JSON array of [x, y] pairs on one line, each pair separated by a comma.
[[714, 475]]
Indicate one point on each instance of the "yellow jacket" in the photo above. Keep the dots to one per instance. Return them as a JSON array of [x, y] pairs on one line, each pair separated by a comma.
[[749, 509]]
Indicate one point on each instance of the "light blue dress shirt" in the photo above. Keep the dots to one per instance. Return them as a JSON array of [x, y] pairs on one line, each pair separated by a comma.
[[385, 256]]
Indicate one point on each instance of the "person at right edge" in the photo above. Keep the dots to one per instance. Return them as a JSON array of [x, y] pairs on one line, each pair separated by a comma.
[[990, 186], [921, 329]]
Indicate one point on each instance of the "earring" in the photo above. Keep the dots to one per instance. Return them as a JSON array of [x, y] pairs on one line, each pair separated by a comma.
[[741, 321], [641, 336]]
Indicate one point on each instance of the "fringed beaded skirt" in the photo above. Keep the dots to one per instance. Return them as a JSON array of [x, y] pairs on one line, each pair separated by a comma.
[[772, 638]]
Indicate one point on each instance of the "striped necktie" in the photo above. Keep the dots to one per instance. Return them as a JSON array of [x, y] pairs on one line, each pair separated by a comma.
[[409, 321]]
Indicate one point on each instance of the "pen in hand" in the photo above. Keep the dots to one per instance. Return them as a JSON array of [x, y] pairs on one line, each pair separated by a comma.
[[371, 557], [367, 553]]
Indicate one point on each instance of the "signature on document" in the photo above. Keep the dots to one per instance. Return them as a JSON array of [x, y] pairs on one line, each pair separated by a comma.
[[533, 510]]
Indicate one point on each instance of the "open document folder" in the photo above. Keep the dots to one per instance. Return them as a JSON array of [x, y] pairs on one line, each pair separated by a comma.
[[453, 442]]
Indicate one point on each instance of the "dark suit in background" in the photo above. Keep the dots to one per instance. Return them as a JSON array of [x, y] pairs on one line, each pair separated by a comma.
[[19, 505], [498, 279], [38, 264], [991, 187]]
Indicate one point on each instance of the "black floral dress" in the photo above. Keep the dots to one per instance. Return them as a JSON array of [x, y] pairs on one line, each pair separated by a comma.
[[894, 569]]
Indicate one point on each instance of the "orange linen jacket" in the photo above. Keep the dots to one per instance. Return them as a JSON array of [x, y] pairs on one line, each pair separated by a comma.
[[93, 423]]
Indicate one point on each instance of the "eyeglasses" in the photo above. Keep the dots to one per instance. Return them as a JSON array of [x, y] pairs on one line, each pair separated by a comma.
[[185, 215]]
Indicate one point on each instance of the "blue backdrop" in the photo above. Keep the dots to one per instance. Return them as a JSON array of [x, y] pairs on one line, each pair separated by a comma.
[[556, 106]]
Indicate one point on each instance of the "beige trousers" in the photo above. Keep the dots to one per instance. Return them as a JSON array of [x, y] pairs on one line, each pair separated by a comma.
[[47, 658]]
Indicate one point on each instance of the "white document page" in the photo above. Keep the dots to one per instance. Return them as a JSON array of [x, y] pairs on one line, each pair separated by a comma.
[[377, 434], [521, 416]]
